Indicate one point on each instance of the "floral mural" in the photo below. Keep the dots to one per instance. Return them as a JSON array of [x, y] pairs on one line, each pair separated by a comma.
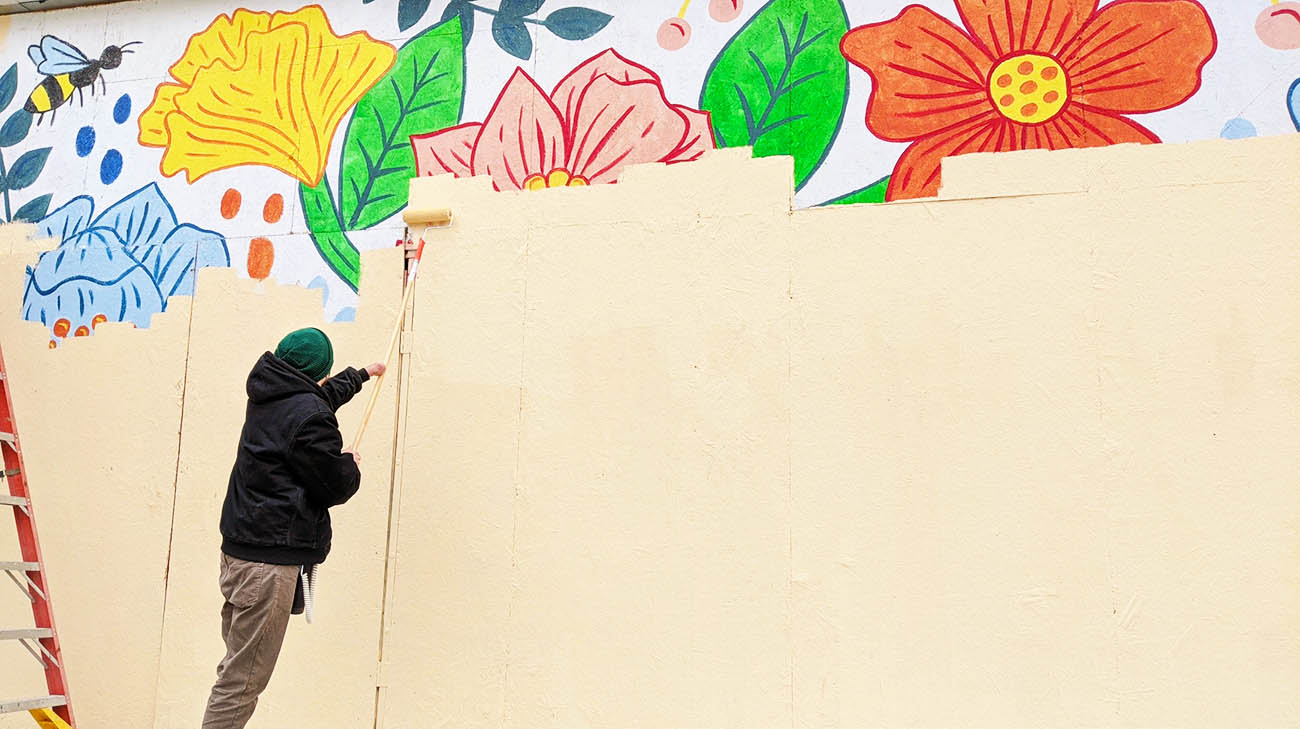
[[1024, 76], [345, 101], [122, 265], [606, 114]]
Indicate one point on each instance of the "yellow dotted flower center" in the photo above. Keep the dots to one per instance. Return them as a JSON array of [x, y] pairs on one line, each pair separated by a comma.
[[558, 177], [1029, 88]]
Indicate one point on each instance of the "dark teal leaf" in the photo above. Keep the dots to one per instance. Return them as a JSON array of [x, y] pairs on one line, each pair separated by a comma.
[[466, 13], [423, 92], [873, 193], [28, 167], [15, 128], [512, 36], [409, 12], [780, 84], [8, 86], [577, 23], [34, 210], [516, 9]]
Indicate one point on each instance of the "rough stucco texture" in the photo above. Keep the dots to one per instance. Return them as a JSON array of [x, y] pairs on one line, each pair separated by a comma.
[[673, 455]]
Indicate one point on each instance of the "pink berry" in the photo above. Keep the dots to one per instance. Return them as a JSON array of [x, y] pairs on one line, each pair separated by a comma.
[[1279, 26], [674, 34], [725, 11]]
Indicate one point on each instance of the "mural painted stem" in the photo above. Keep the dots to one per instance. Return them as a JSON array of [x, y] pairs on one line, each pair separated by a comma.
[[490, 11], [4, 171], [780, 89]]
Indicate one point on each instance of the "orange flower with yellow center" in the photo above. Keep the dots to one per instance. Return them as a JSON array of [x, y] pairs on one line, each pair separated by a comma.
[[262, 89], [1025, 74]]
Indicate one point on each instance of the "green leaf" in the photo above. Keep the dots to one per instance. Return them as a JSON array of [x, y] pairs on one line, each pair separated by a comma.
[[423, 92], [34, 210], [873, 193], [780, 84], [28, 167], [466, 13], [576, 23], [8, 86], [326, 232]]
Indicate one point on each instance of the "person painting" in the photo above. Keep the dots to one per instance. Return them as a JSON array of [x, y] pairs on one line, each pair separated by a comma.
[[275, 525]]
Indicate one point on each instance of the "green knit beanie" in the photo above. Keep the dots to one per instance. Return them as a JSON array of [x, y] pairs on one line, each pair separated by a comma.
[[308, 350]]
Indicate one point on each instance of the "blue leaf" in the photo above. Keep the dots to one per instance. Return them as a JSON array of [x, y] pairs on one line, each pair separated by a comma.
[[67, 221], [15, 128], [142, 218], [187, 249], [88, 276], [319, 283], [512, 36], [8, 86], [577, 23], [28, 167], [516, 9], [346, 314], [34, 210], [409, 12], [1293, 103]]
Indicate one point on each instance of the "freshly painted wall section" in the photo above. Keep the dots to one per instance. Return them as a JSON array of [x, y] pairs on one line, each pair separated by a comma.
[[675, 452]]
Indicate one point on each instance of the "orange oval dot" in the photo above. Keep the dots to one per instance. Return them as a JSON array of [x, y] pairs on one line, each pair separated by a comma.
[[261, 256], [1007, 100], [1028, 87], [273, 209], [1051, 97], [83, 331], [230, 203], [62, 327], [99, 319], [1029, 109], [53, 344], [1025, 67], [1004, 80], [1050, 72]]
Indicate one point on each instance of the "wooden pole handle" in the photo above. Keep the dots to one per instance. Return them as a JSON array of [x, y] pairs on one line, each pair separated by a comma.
[[392, 343]]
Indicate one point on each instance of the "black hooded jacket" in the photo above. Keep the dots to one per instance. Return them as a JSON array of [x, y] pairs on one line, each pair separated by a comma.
[[290, 467]]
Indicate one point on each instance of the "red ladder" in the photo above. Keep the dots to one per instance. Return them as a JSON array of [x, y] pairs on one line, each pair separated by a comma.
[[41, 641]]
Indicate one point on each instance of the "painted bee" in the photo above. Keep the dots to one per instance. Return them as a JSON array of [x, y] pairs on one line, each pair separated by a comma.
[[66, 70]]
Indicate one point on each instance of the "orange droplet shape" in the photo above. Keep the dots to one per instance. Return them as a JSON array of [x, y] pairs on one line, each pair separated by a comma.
[[261, 256], [274, 208], [725, 11], [83, 331], [1004, 80], [1007, 100], [673, 34], [99, 319], [62, 327], [1028, 110], [1025, 68], [54, 344], [230, 203], [1050, 72], [1051, 97], [1028, 87]]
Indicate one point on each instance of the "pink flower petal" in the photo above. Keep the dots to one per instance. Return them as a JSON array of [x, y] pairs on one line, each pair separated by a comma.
[[448, 150], [699, 136], [522, 135], [621, 124], [609, 63]]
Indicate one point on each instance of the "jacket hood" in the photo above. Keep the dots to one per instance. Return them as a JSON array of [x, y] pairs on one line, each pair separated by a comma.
[[272, 378]]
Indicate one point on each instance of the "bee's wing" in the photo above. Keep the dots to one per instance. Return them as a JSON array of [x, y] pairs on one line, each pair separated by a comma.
[[57, 56]]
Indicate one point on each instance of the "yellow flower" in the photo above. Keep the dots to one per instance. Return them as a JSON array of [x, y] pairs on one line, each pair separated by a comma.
[[261, 89]]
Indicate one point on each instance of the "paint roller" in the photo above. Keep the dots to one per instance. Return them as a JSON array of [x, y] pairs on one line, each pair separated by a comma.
[[428, 218]]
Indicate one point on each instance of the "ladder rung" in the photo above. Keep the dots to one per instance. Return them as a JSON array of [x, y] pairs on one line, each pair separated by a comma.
[[44, 702], [12, 501], [26, 634], [20, 566], [6, 437]]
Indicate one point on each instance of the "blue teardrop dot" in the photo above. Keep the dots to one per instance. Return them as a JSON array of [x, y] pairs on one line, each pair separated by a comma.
[[111, 167], [122, 109], [85, 141]]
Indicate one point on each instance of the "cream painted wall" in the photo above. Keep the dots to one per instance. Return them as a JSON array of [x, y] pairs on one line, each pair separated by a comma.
[[672, 454]]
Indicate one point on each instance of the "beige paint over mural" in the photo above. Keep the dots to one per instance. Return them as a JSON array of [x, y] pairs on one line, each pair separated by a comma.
[[673, 455]]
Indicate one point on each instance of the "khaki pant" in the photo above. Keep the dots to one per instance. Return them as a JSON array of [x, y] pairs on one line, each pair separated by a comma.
[[259, 598]]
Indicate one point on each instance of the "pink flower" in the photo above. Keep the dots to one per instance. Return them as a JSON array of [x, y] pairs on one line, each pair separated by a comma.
[[607, 114]]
